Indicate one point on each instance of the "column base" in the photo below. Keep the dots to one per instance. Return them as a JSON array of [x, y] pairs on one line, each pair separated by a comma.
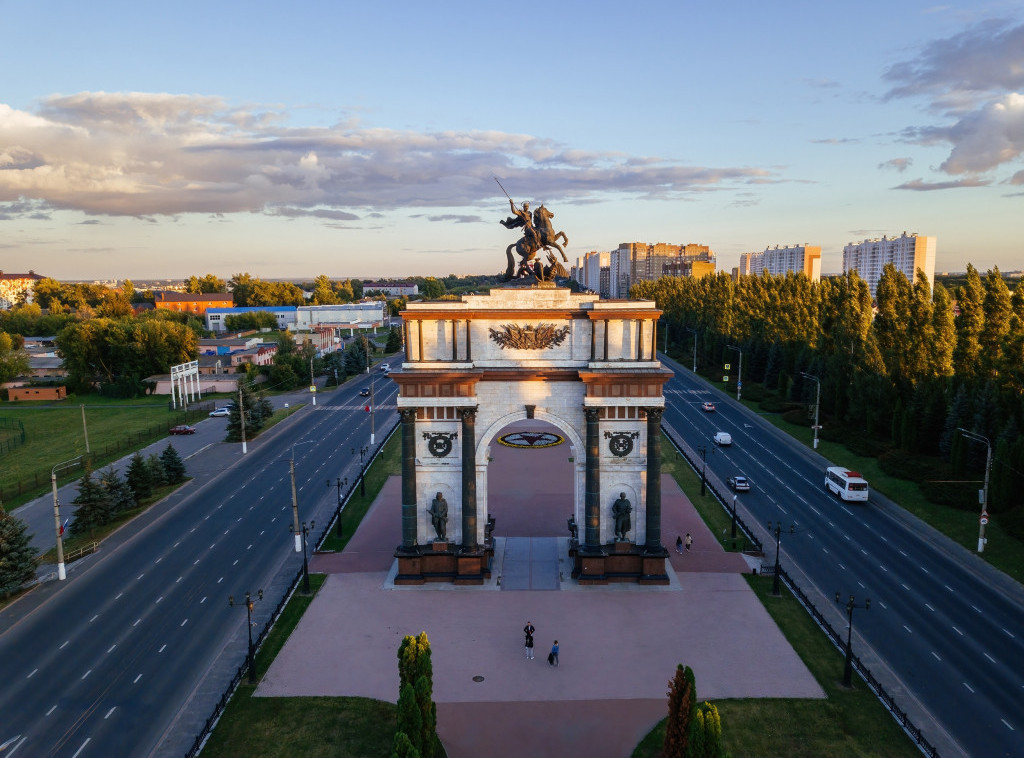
[[442, 562], [618, 562]]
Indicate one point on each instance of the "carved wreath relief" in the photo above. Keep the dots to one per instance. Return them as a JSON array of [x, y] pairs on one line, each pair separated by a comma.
[[529, 337], [621, 443], [439, 443]]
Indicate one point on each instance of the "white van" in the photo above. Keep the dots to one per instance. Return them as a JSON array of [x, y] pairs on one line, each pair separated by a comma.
[[723, 438], [845, 484]]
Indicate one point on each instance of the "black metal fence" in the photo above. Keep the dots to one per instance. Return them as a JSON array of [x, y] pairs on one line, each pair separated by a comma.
[[884, 697], [243, 670], [12, 434]]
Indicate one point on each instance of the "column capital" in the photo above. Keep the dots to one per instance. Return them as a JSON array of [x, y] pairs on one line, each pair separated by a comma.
[[654, 413], [408, 414], [467, 413], [592, 413]]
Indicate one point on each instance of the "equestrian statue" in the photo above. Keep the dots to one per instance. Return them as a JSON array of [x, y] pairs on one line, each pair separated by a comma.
[[538, 234]]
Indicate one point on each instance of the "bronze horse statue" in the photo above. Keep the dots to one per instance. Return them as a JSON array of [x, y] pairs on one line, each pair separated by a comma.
[[545, 237]]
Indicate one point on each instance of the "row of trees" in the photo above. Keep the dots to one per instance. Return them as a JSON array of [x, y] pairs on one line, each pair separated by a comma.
[[104, 500], [693, 729], [905, 374]]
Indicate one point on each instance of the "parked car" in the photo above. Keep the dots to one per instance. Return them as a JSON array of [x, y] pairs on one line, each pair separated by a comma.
[[707, 407], [183, 429], [738, 483], [221, 412], [723, 438], [364, 392]]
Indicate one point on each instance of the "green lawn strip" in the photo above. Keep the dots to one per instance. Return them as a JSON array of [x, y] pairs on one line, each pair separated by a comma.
[[847, 723], [387, 464], [271, 727], [54, 434], [1002, 551]]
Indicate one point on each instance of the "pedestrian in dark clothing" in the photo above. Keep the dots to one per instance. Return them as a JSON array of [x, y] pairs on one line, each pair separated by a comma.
[[553, 655], [679, 545], [528, 630]]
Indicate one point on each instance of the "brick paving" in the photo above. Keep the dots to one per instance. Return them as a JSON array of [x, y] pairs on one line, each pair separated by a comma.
[[619, 644]]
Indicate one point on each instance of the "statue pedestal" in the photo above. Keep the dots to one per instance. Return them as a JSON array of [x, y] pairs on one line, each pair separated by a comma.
[[619, 562], [441, 546], [442, 562]]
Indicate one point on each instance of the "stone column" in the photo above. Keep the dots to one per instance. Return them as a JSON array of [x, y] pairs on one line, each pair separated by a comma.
[[469, 541], [592, 502], [653, 501], [408, 477]]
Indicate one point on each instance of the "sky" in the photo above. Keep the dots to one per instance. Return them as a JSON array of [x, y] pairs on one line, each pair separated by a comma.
[[147, 140]]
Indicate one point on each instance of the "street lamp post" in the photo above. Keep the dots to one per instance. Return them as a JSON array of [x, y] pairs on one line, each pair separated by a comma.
[[734, 517], [739, 372], [362, 474], [694, 333], [817, 405], [703, 450], [61, 572], [312, 381], [776, 588], [984, 493], [302, 533], [295, 500], [249, 603], [848, 666], [339, 483]]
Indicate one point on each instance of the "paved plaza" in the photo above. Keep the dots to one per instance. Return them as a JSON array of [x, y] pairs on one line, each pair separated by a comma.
[[620, 644]]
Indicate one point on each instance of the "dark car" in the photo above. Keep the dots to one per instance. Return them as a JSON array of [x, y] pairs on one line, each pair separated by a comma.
[[739, 483], [183, 429], [364, 392]]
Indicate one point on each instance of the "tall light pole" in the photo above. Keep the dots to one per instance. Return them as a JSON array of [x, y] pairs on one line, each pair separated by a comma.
[[295, 500], [61, 573], [337, 513], [694, 333], [984, 493], [739, 373], [817, 405], [301, 534], [776, 589], [241, 415], [312, 382], [848, 666], [249, 603], [703, 450], [373, 398]]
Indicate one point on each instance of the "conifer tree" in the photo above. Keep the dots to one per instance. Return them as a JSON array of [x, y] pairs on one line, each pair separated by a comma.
[[121, 496], [139, 478], [17, 556], [410, 721], [174, 467], [682, 700], [394, 340], [94, 507], [157, 475], [403, 747]]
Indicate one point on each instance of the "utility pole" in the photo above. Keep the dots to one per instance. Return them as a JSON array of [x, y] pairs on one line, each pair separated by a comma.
[[739, 373], [983, 494], [817, 405], [295, 505], [312, 382], [61, 573], [85, 430], [241, 416]]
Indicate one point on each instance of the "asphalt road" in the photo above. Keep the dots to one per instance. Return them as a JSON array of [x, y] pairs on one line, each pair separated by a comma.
[[104, 663], [942, 622]]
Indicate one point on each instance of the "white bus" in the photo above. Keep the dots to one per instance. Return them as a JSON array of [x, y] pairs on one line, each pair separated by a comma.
[[846, 484]]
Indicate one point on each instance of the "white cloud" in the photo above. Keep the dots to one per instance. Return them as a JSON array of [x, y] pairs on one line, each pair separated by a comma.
[[150, 154]]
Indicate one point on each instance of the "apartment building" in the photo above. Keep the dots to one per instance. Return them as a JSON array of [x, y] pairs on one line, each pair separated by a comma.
[[613, 273], [779, 261], [907, 253]]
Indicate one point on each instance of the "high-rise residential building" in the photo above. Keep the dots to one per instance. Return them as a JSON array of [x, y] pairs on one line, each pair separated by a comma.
[[779, 261], [14, 287], [907, 253], [613, 273]]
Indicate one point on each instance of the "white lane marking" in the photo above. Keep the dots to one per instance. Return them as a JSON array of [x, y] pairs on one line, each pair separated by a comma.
[[1007, 723], [94, 618], [842, 567], [118, 596], [52, 709], [905, 587], [34, 671], [109, 712], [178, 579], [262, 533], [159, 599], [111, 649], [64, 645], [162, 648], [184, 622], [929, 607], [157, 561], [136, 680], [976, 608], [883, 539], [87, 741], [220, 580], [925, 570], [177, 543], [904, 554], [192, 530], [825, 550], [211, 546], [235, 563], [948, 587], [137, 622], [861, 585], [884, 606], [203, 600], [907, 628], [969, 687], [1007, 631], [958, 631], [936, 655], [86, 674], [989, 657], [227, 531], [883, 568], [249, 548], [139, 577]]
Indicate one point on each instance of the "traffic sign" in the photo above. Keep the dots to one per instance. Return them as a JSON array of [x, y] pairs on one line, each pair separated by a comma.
[[984, 520]]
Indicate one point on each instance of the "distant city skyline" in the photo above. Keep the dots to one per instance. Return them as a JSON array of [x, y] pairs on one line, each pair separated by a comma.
[[349, 140]]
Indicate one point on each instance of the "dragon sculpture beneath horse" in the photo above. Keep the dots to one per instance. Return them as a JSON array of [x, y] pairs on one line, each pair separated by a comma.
[[538, 234]]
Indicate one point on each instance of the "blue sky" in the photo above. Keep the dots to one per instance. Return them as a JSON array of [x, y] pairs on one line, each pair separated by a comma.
[[360, 139]]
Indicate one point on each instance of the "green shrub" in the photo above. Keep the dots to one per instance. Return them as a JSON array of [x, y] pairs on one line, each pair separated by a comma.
[[1013, 522], [915, 468], [866, 447]]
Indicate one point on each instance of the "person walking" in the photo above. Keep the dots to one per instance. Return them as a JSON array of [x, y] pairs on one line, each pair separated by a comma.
[[689, 542], [679, 544], [553, 655], [528, 630]]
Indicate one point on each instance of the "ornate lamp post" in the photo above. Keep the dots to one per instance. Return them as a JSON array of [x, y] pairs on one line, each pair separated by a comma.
[[703, 450], [339, 483], [776, 589], [848, 666], [249, 603], [304, 531], [734, 518]]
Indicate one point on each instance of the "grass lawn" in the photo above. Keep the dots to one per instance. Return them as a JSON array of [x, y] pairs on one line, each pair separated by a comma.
[[272, 727], [54, 434]]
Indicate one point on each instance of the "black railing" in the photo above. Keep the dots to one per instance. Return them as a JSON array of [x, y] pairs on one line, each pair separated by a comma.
[[884, 697]]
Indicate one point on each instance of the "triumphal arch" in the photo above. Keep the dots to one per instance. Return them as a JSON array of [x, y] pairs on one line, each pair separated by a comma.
[[585, 365]]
